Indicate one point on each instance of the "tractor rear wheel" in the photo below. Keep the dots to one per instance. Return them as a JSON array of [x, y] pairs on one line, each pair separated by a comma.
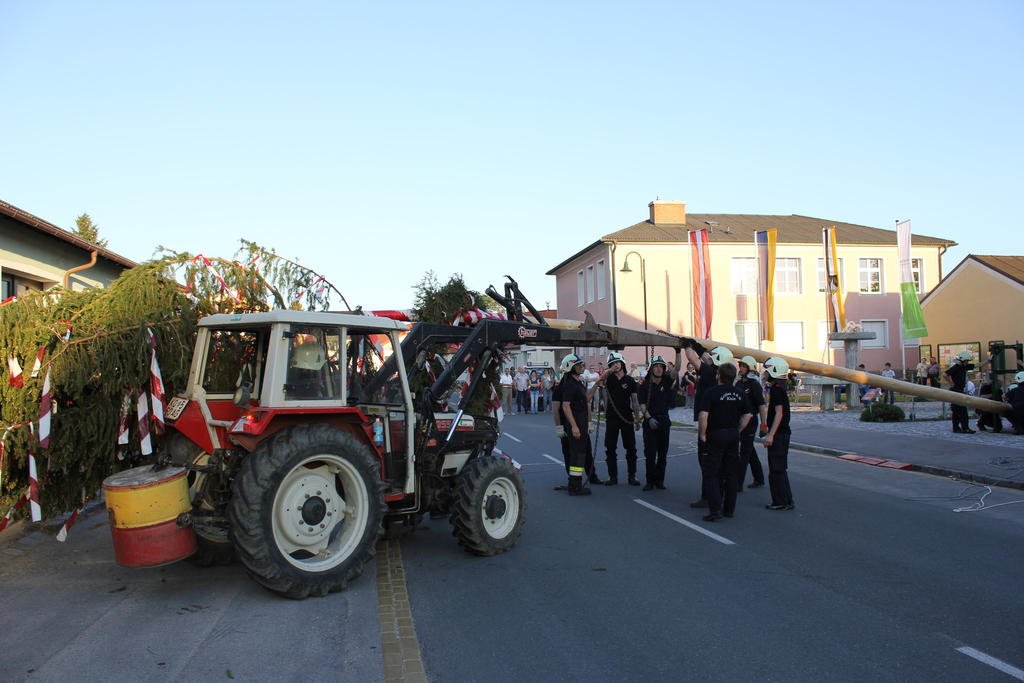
[[307, 510], [489, 505]]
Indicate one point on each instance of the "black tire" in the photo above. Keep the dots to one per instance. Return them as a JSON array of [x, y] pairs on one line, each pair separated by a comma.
[[489, 508], [307, 510], [213, 547]]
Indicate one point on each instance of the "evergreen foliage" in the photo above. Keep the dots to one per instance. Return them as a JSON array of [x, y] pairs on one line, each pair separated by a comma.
[[882, 412], [89, 231]]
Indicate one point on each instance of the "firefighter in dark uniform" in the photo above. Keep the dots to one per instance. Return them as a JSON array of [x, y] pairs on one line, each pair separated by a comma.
[[777, 439], [556, 412], [750, 385], [957, 375], [622, 414], [657, 396], [724, 413], [575, 418], [706, 365], [1015, 397]]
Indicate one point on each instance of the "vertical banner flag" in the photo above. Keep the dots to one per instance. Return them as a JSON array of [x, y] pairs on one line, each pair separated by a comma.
[[833, 287], [913, 317], [765, 241], [701, 277]]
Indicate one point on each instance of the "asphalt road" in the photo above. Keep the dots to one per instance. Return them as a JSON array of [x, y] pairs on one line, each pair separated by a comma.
[[872, 578]]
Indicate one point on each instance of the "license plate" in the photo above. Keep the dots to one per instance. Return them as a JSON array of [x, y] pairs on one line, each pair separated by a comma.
[[175, 407]]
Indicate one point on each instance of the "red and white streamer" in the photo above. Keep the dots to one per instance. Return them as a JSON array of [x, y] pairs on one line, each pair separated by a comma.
[[471, 316], [16, 379], [123, 423], [404, 315], [157, 387], [44, 413], [33, 483], [217, 276], [14, 508], [145, 444], [38, 365], [62, 535]]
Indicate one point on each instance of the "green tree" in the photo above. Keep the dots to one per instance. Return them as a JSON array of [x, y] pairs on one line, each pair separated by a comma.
[[87, 230]]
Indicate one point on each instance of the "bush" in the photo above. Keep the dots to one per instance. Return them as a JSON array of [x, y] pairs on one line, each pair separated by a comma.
[[882, 412]]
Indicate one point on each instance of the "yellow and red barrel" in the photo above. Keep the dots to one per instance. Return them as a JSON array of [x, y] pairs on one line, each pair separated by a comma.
[[143, 506]]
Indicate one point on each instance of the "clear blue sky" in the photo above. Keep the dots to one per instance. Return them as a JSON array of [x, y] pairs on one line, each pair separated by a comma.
[[376, 141]]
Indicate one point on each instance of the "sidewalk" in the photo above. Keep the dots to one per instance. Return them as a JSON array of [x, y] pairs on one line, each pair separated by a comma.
[[928, 444]]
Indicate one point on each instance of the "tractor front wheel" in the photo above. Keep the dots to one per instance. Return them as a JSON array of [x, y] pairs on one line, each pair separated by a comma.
[[489, 505], [307, 510]]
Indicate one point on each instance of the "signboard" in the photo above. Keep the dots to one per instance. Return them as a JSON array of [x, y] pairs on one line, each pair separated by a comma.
[[948, 352]]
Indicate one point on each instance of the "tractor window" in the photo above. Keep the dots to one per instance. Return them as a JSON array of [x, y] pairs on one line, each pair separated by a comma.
[[232, 358], [366, 355], [314, 368]]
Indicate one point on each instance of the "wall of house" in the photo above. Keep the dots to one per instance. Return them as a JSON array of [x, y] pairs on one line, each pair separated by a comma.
[[43, 260], [975, 305]]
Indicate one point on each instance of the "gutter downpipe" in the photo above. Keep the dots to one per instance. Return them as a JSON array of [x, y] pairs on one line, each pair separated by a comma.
[[615, 291], [79, 269]]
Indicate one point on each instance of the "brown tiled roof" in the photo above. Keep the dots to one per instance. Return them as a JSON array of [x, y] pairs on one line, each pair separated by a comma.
[[50, 229], [1010, 266], [740, 228]]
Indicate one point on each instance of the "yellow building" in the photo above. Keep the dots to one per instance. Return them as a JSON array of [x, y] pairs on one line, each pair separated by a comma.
[[658, 282], [979, 302]]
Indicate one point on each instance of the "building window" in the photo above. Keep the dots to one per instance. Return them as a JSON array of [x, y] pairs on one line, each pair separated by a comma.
[[787, 276], [869, 271], [580, 291], [746, 334], [917, 272], [743, 276], [881, 330], [600, 281], [7, 288], [821, 275], [789, 336], [590, 284]]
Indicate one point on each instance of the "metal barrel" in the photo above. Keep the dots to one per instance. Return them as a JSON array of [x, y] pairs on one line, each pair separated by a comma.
[[143, 507]]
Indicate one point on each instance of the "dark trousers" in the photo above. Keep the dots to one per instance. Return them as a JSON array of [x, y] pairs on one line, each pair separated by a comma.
[[588, 459], [656, 448], [990, 420], [778, 461], [523, 401], [719, 467], [615, 428], [959, 418], [749, 455], [576, 453]]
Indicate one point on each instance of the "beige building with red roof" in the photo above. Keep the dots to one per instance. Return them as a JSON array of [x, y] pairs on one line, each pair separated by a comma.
[[593, 280]]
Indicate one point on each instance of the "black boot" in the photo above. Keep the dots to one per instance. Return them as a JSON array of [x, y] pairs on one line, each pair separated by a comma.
[[611, 481], [576, 487], [633, 481]]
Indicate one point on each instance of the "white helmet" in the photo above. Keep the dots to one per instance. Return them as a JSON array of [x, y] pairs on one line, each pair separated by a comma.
[[749, 362], [964, 356], [616, 356], [776, 367], [309, 356], [569, 361], [721, 355], [1019, 377], [658, 360]]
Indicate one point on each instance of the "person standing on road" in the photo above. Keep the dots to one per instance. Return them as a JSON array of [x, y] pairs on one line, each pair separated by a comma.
[[777, 440], [575, 421], [957, 376], [1015, 397], [534, 391], [933, 374], [922, 372], [724, 413], [622, 417], [507, 382], [656, 396], [888, 396], [706, 366], [547, 385], [751, 388], [522, 390]]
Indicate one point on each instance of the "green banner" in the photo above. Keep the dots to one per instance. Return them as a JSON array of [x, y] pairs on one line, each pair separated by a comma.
[[913, 318]]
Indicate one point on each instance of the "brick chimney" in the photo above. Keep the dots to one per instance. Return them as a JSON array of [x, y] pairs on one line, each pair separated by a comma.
[[663, 212]]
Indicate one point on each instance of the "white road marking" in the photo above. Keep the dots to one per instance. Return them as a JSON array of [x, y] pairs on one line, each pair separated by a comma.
[[511, 437], [709, 534], [554, 460], [993, 662]]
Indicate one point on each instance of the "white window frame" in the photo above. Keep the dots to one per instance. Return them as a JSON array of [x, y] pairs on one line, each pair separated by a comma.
[[880, 342], [820, 276], [881, 275], [590, 284], [581, 293], [738, 280], [797, 269], [917, 272], [600, 281], [803, 335], [746, 325]]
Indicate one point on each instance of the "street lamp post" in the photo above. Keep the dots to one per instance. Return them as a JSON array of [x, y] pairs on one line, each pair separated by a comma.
[[643, 280]]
